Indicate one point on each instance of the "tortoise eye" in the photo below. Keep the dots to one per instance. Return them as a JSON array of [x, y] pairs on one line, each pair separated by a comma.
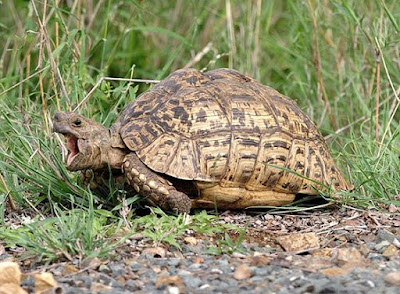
[[77, 122]]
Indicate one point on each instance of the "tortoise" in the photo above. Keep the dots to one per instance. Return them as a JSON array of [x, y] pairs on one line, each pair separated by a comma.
[[205, 140]]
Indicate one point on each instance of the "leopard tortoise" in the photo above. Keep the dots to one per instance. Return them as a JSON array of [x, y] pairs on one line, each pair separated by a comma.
[[205, 140]]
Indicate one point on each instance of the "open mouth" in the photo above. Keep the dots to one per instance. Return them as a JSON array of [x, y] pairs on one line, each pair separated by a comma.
[[72, 146]]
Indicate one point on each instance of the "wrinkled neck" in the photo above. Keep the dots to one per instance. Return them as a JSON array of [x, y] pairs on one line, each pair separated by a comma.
[[115, 157]]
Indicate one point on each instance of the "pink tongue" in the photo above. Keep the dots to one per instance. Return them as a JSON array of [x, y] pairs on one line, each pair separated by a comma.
[[73, 149]]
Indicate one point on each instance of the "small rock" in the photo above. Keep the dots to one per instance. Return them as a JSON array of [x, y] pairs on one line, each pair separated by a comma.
[[257, 279], [73, 290], [117, 270], [198, 259], [179, 255], [323, 253], [10, 288], [261, 271], [370, 283], [134, 285], [299, 243], [173, 290], [9, 273], [393, 278], [135, 266], [393, 208], [69, 269], [396, 243], [205, 286], [98, 287], [192, 282], [83, 281], [335, 271], [29, 282], [307, 289], [364, 249], [242, 272], [216, 271], [104, 268], [57, 271], [328, 288], [158, 252], [44, 282], [183, 272], [169, 280], [103, 278], [289, 258], [260, 260], [191, 240], [348, 255], [91, 263], [380, 247], [390, 251], [375, 256], [385, 235], [174, 261], [370, 245], [238, 255], [156, 269], [195, 266], [223, 262]]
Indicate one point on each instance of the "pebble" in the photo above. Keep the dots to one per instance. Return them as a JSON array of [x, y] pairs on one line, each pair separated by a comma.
[[192, 282], [384, 235], [136, 266], [117, 270], [28, 282], [83, 282], [261, 271], [216, 271], [104, 268], [173, 290], [184, 273], [242, 272], [393, 278], [174, 261], [134, 285], [380, 247], [375, 256]]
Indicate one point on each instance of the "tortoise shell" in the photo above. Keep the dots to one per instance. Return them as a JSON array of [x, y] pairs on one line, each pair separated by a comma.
[[223, 129]]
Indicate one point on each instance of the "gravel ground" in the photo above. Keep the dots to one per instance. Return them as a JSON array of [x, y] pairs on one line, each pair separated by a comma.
[[357, 252], [217, 275]]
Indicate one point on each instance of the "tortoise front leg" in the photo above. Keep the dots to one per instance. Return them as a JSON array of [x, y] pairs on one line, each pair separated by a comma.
[[99, 179], [157, 190]]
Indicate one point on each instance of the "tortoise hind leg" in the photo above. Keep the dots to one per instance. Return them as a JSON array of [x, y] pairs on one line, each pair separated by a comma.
[[157, 190]]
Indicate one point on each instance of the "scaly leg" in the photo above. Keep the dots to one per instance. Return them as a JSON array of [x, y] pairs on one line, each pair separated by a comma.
[[157, 190], [100, 179]]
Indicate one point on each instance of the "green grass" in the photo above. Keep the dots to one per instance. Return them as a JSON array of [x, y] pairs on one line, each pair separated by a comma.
[[324, 54], [92, 232]]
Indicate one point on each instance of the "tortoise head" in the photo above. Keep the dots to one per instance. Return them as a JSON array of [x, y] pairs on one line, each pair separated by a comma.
[[88, 142]]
